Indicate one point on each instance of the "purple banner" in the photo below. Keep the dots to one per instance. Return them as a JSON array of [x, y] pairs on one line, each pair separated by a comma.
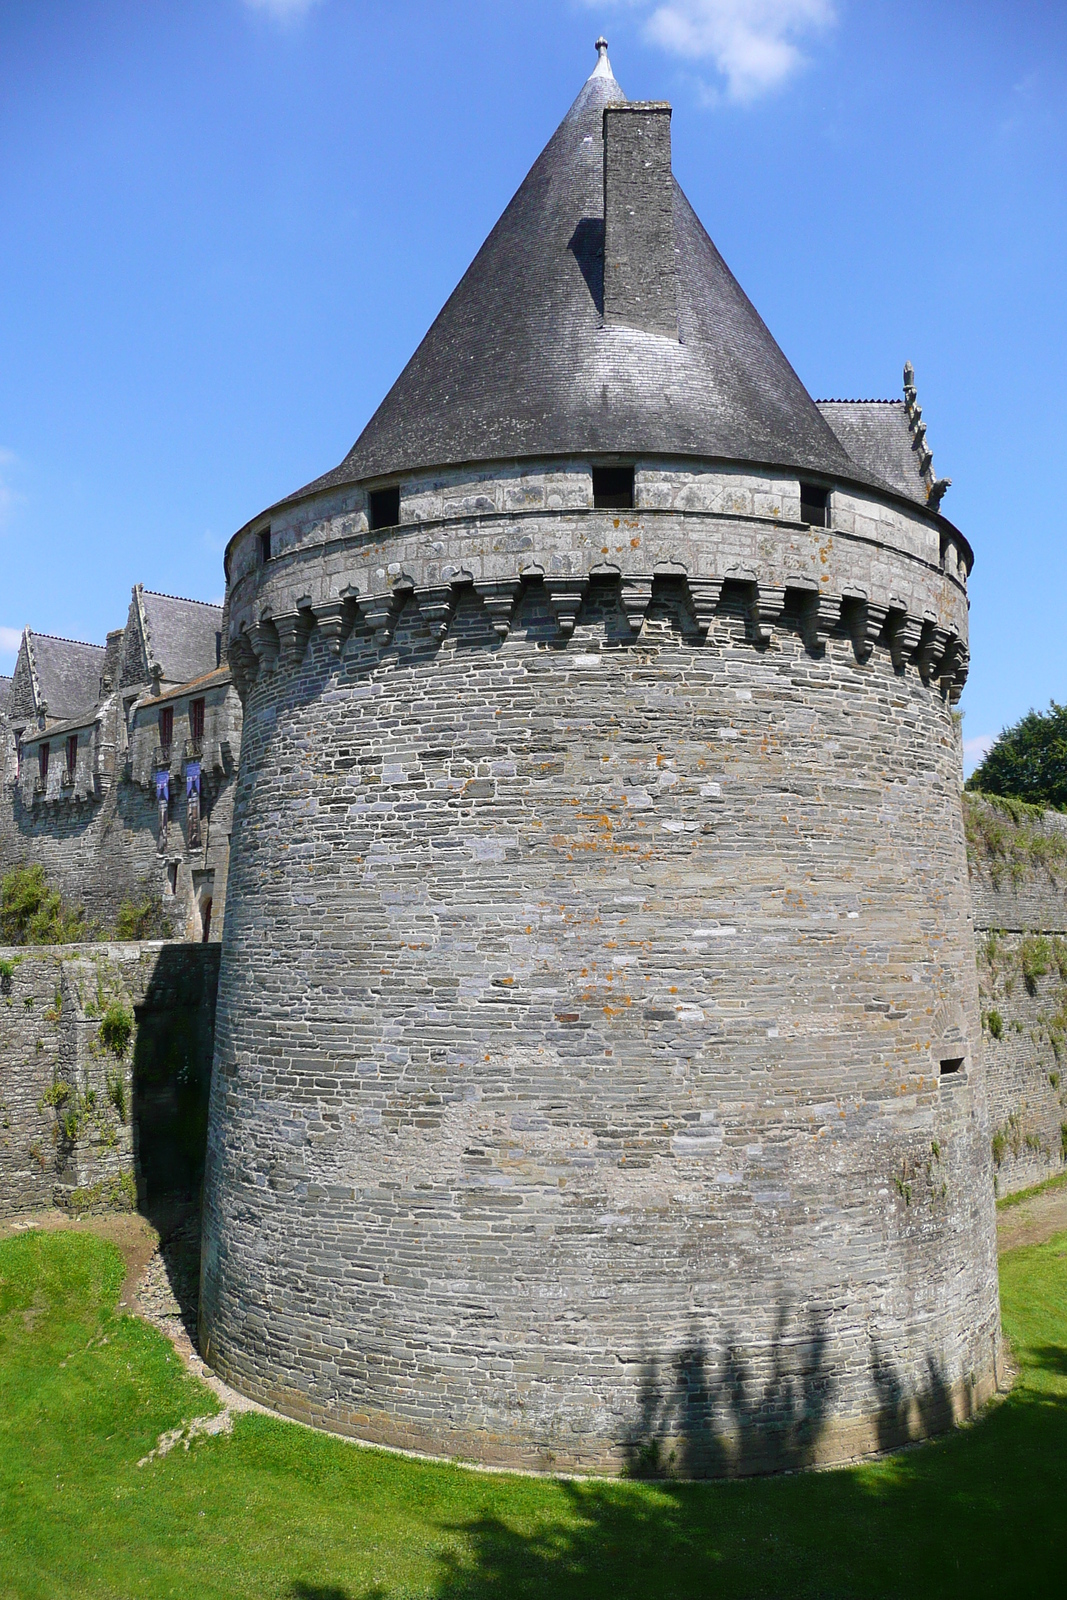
[[162, 785], [192, 778]]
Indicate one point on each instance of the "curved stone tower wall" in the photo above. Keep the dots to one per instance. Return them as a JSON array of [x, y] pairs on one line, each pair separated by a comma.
[[598, 923]]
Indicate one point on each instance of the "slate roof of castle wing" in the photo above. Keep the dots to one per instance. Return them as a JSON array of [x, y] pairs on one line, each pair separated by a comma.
[[519, 362], [201, 685], [5, 694], [67, 674], [56, 730], [877, 436], [184, 635]]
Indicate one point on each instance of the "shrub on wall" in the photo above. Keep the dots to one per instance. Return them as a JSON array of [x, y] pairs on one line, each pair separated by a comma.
[[33, 913], [142, 919]]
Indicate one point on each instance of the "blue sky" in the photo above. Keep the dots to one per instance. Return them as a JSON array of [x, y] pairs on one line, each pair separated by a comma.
[[227, 224]]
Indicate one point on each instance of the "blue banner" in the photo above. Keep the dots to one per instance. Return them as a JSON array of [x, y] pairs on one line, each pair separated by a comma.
[[192, 778], [162, 785]]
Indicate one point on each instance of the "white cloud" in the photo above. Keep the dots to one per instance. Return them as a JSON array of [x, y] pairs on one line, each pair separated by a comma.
[[754, 45], [976, 750], [282, 10], [10, 639]]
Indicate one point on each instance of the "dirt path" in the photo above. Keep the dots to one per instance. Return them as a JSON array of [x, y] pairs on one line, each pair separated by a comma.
[[1032, 1221], [134, 1235]]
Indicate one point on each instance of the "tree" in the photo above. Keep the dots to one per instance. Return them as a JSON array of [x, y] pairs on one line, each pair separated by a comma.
[[1029, 761]]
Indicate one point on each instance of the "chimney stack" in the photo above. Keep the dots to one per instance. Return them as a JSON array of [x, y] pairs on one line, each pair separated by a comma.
[[640, 288]]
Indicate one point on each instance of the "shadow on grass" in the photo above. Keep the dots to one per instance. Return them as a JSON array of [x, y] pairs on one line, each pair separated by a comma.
[[981, 1512]]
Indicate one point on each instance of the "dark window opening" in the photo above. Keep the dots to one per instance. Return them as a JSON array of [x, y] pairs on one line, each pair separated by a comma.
[[814, 503], [43, 759], [18, 756], [166, 727], [172, 876], [385, 507], [613, 488], [196, 720], [205, 919], [72, 753], [218, 649], [264, 545], [953, 1064]]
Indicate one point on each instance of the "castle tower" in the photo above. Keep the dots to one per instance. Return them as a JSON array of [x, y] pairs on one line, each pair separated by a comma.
[[598, 1079]]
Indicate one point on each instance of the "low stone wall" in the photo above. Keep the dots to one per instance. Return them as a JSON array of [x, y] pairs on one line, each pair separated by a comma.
[[1018, 864], [105, 1063]]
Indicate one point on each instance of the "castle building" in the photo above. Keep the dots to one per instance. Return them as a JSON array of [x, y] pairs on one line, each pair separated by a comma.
[[598, 1078], [117, 764]]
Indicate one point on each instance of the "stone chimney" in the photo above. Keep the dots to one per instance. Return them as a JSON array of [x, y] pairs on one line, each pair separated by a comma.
[[639, 258]]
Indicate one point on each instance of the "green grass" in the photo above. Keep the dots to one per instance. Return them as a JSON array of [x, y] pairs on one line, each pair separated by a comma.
[[273, 1510], [1057, 1181]]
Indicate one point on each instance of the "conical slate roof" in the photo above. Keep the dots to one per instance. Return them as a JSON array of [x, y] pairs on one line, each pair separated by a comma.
[[519, 362]]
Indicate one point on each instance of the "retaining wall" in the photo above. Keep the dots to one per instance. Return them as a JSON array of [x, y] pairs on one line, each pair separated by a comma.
[[105, 1061], [1017, 859]]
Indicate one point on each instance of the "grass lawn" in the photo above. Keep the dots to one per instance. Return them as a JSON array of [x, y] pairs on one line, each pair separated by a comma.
[[272, 1510]]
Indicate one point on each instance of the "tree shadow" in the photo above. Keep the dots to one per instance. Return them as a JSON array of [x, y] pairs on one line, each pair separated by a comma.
[[1049, 1357], [330, 1591], [699, 1419], [979, 1512]]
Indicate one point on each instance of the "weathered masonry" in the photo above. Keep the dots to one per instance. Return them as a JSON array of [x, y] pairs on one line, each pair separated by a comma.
[[598, 1079], [117, 764], [105, 1057], [1018, 862]]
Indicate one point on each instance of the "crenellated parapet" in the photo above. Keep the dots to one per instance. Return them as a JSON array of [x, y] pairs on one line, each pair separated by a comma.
[[880, 576], [934, 647]]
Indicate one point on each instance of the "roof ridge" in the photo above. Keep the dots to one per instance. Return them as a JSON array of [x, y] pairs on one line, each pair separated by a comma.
[[60, 638], [845, 400], [183, 599]]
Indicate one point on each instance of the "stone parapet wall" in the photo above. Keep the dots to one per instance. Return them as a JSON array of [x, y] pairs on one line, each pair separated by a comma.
[[881, 574], [1017, 858], [105, 1053]]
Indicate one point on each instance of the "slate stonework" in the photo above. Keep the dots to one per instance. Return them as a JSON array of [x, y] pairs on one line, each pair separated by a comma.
[[577, 1096]]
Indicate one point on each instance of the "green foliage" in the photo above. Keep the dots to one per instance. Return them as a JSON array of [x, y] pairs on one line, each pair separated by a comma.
[[1035, 959], [1011, 839], [118, 1193], [7, 972], [33, 913], [995, 1023], [116, 1028], [275, 1510], [142, 919], [116, 1094], [1029, 761]]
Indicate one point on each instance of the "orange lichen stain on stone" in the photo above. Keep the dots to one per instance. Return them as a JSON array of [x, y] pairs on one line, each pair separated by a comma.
[[634, 543]]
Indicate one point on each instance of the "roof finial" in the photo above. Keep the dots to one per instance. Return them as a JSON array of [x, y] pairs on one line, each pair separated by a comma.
[[603, 65]]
